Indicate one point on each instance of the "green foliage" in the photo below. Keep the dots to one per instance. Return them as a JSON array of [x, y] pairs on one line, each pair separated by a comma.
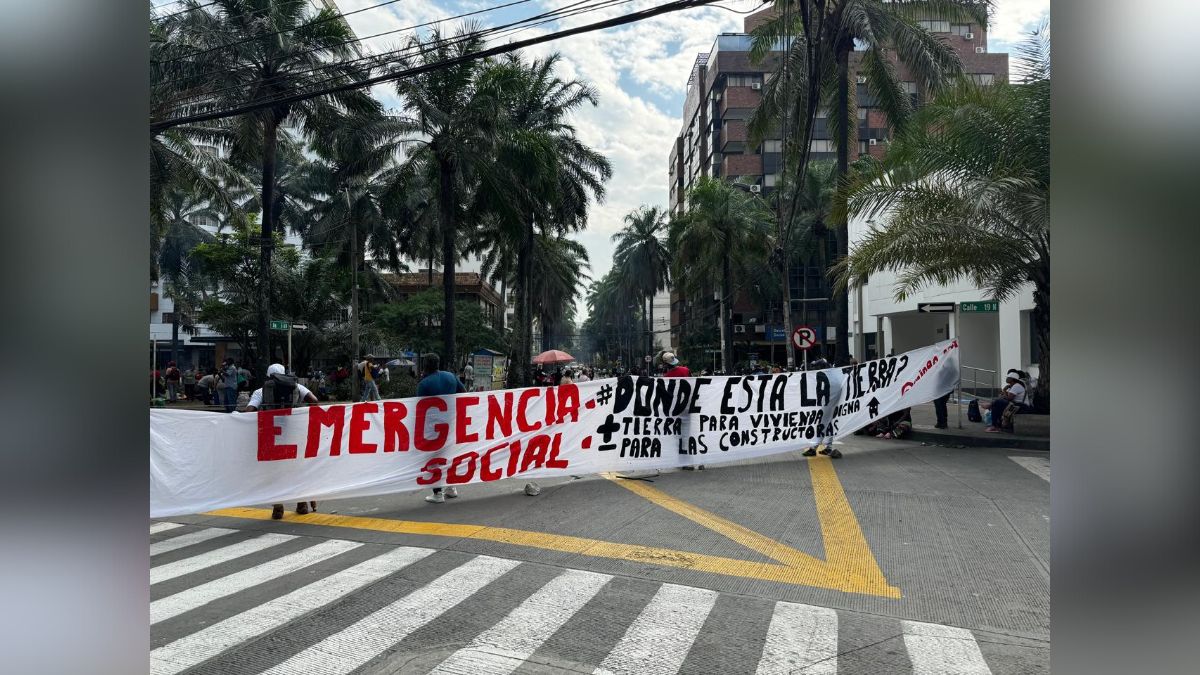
[[415, 325]]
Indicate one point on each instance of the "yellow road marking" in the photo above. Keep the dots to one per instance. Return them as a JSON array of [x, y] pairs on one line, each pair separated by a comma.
[[849, 565]]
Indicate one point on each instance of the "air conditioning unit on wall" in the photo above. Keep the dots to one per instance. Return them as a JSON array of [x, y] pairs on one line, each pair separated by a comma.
[[860, 79], [755, 189], [873, 141], [756, 86], [980, 50], [969, 36], [739, 328]]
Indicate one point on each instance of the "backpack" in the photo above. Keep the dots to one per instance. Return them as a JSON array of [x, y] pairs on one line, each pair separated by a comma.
[[973, 411], [279, 391]]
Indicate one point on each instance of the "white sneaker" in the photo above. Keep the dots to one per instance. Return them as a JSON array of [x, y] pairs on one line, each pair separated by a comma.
[[438, 498], [450, 492]]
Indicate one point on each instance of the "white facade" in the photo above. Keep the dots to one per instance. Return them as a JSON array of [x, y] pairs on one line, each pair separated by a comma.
[[989, 341]]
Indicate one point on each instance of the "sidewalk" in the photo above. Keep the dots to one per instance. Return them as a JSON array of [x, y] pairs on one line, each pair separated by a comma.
[[971, 434]]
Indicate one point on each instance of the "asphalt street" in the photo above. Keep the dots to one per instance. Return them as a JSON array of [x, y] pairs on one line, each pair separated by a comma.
[[897, 558]]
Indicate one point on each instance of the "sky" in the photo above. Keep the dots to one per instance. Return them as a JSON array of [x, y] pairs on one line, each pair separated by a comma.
[[640, 72]]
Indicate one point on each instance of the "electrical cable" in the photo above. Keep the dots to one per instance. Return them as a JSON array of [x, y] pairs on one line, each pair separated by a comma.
[[669, 7]]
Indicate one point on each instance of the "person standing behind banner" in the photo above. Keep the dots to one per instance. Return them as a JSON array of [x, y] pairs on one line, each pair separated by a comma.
[[366, 370], [677, 369], [173, 377], [281, 390], [228, 385], [438, 382]]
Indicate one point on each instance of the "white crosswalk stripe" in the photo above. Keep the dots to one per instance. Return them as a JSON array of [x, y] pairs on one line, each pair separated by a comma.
[[199, 562], [155, 528], [197, 596], [942, 650], [1039, 466], [371, 636], [800, 637], [656, 640], [508, 644], [187, 540]]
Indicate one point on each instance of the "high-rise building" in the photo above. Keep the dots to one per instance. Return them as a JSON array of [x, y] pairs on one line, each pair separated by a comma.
[[723, 90]]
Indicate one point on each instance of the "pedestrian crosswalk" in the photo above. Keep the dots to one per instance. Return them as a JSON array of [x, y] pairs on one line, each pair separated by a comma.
[[222, 602]]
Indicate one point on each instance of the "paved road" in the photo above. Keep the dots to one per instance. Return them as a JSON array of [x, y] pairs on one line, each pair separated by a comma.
[[731, 570]]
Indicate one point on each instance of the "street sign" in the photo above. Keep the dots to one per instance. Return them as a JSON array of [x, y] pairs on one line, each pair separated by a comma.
[[935, 307], [984, 306], [804, 338], [279, 325], [299, 326], [647, 358]]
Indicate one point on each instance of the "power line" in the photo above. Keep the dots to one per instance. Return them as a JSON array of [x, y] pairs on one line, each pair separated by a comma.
[[669, 7], [261, 36], [382, 58], [182, 11]]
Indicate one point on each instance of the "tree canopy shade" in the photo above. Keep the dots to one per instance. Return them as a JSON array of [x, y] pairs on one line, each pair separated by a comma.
[[964, 193]]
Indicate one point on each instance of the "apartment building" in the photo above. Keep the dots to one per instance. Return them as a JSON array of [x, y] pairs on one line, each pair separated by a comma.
[[724, 88]]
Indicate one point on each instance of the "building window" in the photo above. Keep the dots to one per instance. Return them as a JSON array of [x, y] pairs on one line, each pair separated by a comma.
[[203, 220], [822, 145], [983, 78], [772, 146], [862, 114], [960, 28], [935, 25], [909, 87], [771, 180], [862, 148], [168, 317], [742, 80]]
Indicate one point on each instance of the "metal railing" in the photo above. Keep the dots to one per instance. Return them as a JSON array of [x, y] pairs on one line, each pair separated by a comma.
[[977, 377]]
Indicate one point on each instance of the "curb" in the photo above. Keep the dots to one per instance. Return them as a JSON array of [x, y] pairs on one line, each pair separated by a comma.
[[1000, 440]]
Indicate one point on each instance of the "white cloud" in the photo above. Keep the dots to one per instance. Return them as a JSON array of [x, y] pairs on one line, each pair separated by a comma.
[[1013, 19]]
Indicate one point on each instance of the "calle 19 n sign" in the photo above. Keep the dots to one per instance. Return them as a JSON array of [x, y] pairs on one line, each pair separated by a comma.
[[985, 306]]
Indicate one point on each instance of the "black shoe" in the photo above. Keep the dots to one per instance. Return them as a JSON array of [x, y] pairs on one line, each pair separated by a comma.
[[835, 453], [277, 512], [826, 450], [939, 426], [811, 452]]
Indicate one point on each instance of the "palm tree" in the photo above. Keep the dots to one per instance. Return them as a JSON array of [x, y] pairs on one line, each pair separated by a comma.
[[456, 120], [609, 302], [561, 265], [723, 227], [543, 179], [643, 258], [965, 190], [266, 50], [817, 79]]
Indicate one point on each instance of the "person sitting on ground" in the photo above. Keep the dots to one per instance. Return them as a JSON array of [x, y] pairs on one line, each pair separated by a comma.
[[1012, 399], [284, 392], [438, 382], [894, 426]]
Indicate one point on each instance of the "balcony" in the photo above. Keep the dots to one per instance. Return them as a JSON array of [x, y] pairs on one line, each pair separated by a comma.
[[741, 165], [734, 136], [739, 102]]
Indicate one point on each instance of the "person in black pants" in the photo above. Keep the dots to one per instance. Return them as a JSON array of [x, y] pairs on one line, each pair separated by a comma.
[[939, 408]]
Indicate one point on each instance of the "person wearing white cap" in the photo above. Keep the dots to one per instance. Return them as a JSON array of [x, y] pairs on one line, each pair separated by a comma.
[[1014, 394], [284, 392]]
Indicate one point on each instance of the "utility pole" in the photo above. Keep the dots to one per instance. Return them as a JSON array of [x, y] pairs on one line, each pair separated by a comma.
[[353, 298]]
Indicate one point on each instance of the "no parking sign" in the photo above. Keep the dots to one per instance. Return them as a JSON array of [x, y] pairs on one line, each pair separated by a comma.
[[804, 338]]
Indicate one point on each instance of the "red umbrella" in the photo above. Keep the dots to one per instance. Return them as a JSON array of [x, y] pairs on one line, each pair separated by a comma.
[[553, 356]]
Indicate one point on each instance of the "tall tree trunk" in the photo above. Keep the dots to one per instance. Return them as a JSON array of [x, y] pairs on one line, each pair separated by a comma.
[[175, 334], [270, 139], [726, 325], [1041, 319], [447, 218], [841, 300], [518, 370]]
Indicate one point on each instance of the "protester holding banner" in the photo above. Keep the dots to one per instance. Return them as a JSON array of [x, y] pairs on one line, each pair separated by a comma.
[[438, 382], [281, 391]]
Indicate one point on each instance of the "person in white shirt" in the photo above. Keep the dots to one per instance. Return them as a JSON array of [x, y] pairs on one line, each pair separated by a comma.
[[300, 394], [1014, 394]]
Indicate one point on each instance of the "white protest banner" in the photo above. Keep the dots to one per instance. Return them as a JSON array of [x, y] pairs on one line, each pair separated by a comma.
[[201, 461]]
